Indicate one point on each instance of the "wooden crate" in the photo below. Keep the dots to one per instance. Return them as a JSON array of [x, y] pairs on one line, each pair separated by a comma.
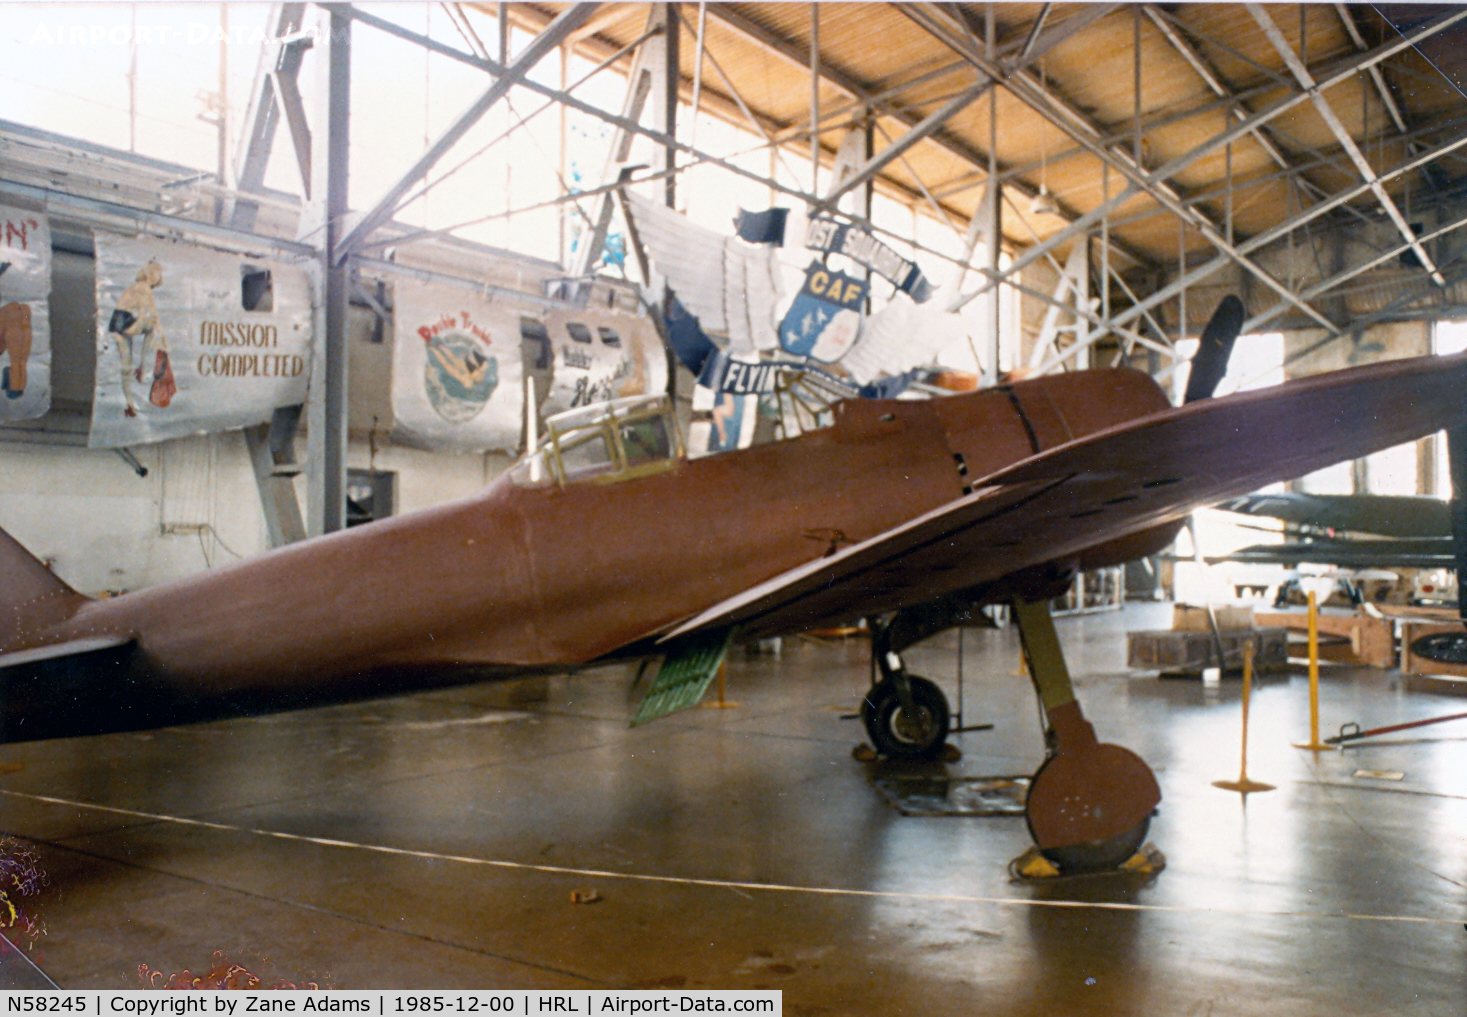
[[1353, 638], [1190, 618], [1189, 652], [1412, 664]]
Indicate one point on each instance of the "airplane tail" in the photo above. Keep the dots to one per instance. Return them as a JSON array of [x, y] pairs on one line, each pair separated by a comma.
[[32, 598]]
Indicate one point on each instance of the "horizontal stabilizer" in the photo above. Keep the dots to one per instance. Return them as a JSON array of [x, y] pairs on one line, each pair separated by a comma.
[[77, 687], [60, 651]]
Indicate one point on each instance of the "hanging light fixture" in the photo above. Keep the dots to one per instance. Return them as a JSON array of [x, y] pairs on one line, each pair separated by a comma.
[[1043, 203]]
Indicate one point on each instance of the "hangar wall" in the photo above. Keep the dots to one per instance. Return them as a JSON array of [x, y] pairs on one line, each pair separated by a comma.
[[104, 529]]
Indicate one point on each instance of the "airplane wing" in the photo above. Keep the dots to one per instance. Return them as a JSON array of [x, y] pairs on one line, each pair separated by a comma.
[[1105, 486], [1387, 515]]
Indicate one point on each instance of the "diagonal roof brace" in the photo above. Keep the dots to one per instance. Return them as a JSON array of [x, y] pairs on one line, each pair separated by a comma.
[[1035, 45], [280, 61], [1221, 261], [897, 148], [1386, 97], [1081, 129], [1210, 78], [882, 103], [1340, 278], [546, 42], [1367, 173], [1336, 73]]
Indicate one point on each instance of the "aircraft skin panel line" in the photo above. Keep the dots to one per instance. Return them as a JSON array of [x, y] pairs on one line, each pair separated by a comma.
[[1124, 482]]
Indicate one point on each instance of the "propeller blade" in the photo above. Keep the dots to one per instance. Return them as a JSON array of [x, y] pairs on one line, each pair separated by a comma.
[[1210, 362], [1457, 466]]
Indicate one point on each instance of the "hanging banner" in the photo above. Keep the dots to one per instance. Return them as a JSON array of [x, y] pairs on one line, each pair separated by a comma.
[[457, 372], [723, 373], [834, 237], [825, 316], [901, 336], [730, 286], [192, 340], [25, 331], [722, 421], [601, 355]]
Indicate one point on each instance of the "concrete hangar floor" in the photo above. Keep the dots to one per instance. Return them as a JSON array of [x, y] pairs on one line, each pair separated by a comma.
[[436, 840]]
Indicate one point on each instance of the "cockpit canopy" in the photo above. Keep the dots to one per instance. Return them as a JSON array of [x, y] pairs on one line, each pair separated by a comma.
[[604, 443]]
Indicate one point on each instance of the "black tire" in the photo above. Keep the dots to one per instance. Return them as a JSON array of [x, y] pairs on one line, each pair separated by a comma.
[[892, 732], [1098, 856]]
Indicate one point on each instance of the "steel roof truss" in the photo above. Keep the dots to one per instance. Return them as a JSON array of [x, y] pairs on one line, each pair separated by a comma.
[[1327, 113], [544, 43], [1335, 74]]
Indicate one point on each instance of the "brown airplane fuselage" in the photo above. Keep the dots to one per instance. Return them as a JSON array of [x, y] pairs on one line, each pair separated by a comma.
[[522, 578]]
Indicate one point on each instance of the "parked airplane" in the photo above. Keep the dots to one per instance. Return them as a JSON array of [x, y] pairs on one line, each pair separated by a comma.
[[607, 542], [1350, 530]]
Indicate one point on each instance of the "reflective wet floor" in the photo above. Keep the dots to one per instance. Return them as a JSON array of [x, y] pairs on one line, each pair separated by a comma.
[[437, 840]]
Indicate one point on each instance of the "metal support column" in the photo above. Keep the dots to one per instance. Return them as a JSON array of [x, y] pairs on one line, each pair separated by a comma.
[[647, 64], [322, 225], [279, 65], [992, 226], [671, 80], [814, 98]]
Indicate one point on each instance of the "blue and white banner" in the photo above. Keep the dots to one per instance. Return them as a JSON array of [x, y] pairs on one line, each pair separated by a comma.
[[723, 373], [858, 244], [824, 319], [25, 332]]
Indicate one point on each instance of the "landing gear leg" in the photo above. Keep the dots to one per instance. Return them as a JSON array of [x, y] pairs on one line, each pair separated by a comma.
[[1090, 803]]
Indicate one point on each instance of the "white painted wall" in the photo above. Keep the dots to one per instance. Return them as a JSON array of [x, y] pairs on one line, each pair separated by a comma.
[[103, 529]]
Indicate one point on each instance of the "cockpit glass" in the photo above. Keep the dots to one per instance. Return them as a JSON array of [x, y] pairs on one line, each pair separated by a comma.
[[606, 442], [582, 456], [645, 440]]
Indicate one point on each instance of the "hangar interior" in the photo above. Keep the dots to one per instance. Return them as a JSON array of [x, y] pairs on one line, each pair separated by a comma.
[[390, 251]]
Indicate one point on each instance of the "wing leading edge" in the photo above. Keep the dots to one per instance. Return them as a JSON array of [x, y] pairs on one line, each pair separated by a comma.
[[1106, 486]]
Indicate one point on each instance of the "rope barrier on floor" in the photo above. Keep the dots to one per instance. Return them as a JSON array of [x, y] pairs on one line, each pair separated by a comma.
[[720, 884]]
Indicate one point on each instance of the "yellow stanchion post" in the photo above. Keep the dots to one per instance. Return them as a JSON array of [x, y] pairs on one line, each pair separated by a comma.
[[1314, 744], [1243, 784], [721, 703]]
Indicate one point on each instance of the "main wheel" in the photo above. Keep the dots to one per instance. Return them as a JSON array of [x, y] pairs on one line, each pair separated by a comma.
[[899, 736], [1090, 805], [1098, 856]]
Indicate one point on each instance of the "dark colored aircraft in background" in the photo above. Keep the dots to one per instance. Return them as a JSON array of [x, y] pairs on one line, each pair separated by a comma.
[[607, 543], [1350, 530]]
